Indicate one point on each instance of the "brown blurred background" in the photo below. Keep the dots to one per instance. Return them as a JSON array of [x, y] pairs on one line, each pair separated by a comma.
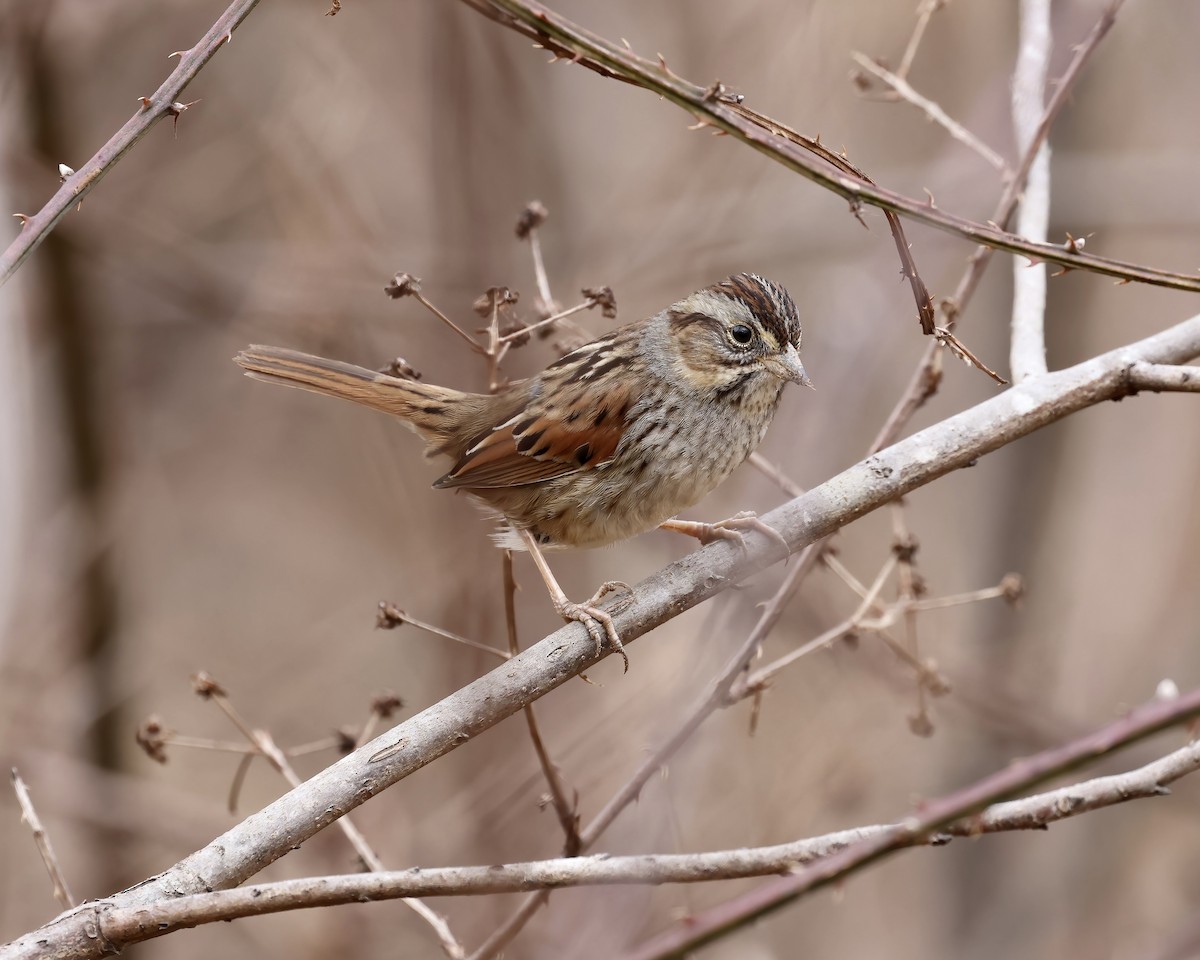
[[160, 514]]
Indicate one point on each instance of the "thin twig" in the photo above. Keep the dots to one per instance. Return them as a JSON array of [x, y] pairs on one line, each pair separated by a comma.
[[761, 677], [391, 616], [164, 103], [567, 811], [432, 308], [530, 328], [61, 891], [933, 111], [924, 14]]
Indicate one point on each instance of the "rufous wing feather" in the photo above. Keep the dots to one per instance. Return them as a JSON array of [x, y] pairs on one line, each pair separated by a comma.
[[544, 441]]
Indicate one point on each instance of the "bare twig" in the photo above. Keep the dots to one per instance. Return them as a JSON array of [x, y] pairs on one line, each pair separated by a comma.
[[924, 14], [761, 677], [1027, 356], [564, 807], [1158, 376], [62, 892], [391, 616], [164, 103], [933, 111]]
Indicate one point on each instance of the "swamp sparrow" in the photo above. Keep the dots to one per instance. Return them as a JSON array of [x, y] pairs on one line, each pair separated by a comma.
[[612, 439]]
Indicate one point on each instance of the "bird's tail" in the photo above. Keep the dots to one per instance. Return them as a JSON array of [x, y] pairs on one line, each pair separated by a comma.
[[431, 411]]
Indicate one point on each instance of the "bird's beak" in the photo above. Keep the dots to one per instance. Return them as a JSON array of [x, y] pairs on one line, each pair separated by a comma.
[[787, 366]]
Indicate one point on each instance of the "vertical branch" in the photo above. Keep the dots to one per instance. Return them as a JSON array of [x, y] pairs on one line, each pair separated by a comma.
[[565, 808], [1028, 351]]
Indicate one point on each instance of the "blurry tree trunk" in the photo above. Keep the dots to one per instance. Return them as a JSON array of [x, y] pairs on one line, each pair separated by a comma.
[[69, 329]]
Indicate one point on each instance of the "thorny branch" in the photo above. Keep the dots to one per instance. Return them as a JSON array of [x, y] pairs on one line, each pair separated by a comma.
[[163, 103], [568, 41]]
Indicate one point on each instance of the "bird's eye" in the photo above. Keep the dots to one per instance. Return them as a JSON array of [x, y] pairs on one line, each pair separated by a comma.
[[741, 334]]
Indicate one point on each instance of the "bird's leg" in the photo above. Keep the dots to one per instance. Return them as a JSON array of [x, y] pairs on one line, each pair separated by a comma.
[[730, 529], [598, 622]]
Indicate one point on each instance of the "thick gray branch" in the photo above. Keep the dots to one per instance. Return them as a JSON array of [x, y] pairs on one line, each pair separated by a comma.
[[957, 442]]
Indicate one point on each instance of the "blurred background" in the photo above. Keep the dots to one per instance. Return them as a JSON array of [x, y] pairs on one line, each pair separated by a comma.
[[161, 515]]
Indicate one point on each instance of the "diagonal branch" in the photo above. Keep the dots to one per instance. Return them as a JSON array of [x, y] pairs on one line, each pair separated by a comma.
[[164, 103]]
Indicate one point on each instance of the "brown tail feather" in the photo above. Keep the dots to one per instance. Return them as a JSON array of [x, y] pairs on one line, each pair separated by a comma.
[[428, 409]]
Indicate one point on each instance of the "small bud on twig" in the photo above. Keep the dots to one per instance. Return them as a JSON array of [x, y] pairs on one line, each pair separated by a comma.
[[389, 617], [385, 704], [176, 111], [532, 217], [1012, 587], [152, 738], [403, 285], [494, 298], [602, 297], [204, 686]]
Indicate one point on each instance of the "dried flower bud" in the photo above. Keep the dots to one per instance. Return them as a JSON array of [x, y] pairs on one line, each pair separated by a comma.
[[385, 704], [204, 686], [602, 297], [389, 617], [401, 369], [152, 738], [403, 285], [494, 298], [905, 548], [514, 326], [920, 724], [532, 217], [1013, 587]]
